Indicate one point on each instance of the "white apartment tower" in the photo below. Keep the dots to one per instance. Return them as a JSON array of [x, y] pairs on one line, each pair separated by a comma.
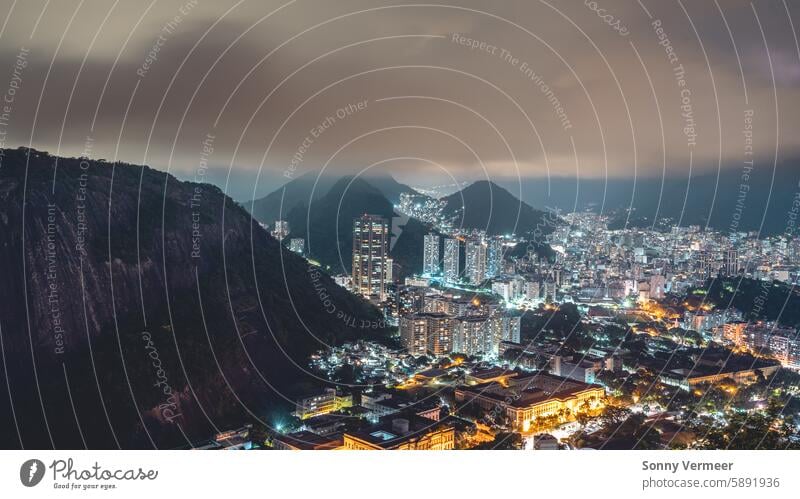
[[475, 262], [494, 257], [451, 268], [430, 254]]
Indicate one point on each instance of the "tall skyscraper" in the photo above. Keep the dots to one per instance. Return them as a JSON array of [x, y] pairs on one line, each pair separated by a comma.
[[430, 254], [475, 262], [451, 265], [370, 256], [494, 257]]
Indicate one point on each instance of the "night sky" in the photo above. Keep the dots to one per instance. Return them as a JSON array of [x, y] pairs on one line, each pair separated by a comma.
[[462, 91]]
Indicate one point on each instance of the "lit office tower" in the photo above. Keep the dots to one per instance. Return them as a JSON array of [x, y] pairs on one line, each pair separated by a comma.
[[494, 257], [475, 263], [281, 230], [430, 254], [370, 254], [451, 270]]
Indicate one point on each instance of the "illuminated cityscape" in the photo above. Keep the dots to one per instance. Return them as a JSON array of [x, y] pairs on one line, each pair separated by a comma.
[[619, 338], [373, 225]]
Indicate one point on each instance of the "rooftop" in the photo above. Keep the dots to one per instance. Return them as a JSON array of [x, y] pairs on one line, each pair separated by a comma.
[[306, 440]]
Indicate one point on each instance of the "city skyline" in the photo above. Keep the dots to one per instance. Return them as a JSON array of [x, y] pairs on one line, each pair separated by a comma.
[[304, 225]]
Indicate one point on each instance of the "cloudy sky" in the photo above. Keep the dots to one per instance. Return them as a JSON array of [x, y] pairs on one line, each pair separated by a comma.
[[461, 90]]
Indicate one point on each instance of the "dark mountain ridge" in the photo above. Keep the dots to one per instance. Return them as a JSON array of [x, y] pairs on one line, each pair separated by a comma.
[[297, 192], [310, 187], [487, 206], [138, 311], [735, 199], [327, 224]]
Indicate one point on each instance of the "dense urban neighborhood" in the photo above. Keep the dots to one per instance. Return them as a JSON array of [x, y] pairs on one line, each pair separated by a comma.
[[572, 335]]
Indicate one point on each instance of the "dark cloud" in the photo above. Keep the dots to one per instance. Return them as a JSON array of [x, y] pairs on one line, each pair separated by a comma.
[[435, 107]]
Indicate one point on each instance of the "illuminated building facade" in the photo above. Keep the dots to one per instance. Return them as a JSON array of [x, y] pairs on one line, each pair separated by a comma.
[[734, 332], [451, 262], [525, 399], [371, 271], [536, 404], [475, 262], [766, 339], [494, 257], [470, 336], [482, 334], [430, 256], [509, 288], [427, 332], [731, 262], [412, 433], [685, 378], [322, 403], [238, 439]]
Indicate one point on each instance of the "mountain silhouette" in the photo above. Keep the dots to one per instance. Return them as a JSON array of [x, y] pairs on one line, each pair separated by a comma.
[[327, 224], [280, 202], [310, 187], [487, 206], [138, 311]]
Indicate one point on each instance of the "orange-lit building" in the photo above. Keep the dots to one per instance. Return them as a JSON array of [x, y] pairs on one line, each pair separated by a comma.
[[687, 378], [527, 398], [536, 403], [430, 332], [734, 332], [494, 374], [411, 433]]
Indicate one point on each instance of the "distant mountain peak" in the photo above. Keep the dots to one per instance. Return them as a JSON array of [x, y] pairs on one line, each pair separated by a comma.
[[311, 186], [485, 205]]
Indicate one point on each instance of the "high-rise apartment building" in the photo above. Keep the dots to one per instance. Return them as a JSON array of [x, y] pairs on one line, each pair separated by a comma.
[[482, 334], [731, 262], [371, 256], [430, 254], [424, 333], [451, 263], [475, 262], [494, 257]]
